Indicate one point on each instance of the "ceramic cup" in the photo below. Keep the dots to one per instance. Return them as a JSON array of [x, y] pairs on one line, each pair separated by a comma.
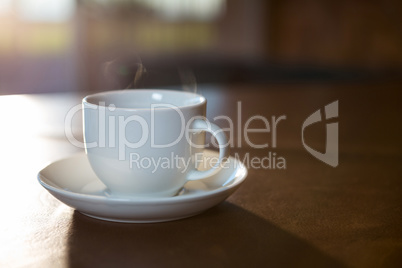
[[148, 143]]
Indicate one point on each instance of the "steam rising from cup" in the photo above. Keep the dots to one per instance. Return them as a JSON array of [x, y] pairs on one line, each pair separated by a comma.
[[133, 74]]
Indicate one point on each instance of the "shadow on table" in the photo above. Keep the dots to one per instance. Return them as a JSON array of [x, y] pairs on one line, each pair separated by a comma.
[[224, 236]]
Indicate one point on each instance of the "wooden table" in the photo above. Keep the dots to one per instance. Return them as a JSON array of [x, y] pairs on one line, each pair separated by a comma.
[[308, 214]]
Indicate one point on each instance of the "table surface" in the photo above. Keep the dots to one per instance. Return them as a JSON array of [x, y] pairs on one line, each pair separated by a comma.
[[308, 214]]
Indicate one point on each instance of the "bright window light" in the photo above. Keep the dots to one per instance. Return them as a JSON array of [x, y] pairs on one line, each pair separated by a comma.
[[45, 10], [187, 9]]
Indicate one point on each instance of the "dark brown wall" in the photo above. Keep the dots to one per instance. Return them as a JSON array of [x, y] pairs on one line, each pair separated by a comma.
[[344, 32]]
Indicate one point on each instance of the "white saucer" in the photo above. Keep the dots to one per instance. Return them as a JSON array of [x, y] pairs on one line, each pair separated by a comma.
[[72, 181]]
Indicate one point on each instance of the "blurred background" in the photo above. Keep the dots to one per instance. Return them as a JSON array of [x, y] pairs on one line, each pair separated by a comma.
[[93, 45]]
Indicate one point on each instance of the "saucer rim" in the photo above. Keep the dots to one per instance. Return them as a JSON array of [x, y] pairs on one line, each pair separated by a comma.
[[238, 180]]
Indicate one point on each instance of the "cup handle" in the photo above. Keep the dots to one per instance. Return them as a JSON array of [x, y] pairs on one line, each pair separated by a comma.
[[217, 132]]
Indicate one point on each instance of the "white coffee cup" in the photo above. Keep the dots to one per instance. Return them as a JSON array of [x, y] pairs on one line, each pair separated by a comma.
[[147, 143]]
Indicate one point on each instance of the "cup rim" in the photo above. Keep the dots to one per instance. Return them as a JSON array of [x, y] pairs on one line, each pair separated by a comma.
[[86, 100]]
